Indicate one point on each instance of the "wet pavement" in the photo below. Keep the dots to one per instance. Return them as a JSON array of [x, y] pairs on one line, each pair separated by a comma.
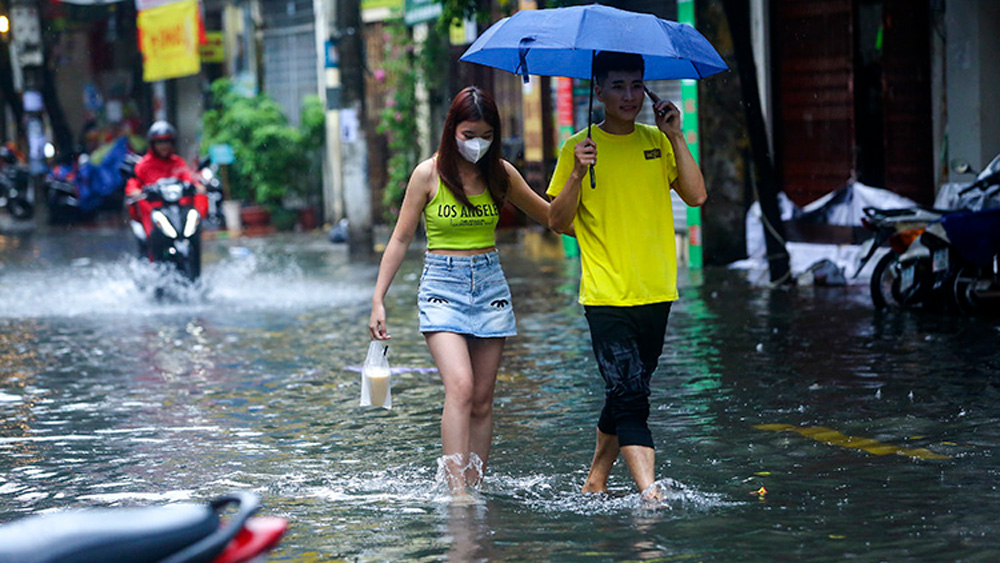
[[790, 423]]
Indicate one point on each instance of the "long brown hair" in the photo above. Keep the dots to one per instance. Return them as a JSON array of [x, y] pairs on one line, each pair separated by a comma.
[[472, 104]]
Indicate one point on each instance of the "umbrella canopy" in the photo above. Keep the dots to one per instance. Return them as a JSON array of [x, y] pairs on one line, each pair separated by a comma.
[[563, 41]]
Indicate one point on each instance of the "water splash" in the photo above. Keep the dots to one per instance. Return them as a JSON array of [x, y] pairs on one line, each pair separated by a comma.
[[401, 489], [560, 494], [130, 286], [458, 472]]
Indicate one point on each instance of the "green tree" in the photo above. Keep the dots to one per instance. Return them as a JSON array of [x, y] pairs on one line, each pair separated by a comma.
[[273, 159]]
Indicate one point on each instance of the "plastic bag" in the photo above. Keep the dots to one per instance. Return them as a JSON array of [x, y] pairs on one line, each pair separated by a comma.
[[375, 381]]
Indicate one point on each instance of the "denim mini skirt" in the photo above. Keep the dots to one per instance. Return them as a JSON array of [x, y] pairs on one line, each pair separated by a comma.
[[466, 295]]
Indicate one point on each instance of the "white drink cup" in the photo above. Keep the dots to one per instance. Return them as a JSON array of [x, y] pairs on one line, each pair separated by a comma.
[[378, 385]]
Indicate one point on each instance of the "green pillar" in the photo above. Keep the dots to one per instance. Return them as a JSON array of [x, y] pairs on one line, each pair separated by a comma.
[[689, 109]]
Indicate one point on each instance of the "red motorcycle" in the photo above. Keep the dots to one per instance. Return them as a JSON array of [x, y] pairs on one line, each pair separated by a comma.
[[174, 533]]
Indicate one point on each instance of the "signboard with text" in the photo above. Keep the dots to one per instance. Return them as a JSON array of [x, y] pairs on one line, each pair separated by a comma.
[[421, 11], [168, 39], [214, 50]]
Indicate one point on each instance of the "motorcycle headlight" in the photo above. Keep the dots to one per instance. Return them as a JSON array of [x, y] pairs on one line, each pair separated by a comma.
[[191, 223], [161, 221], [207, 174], [172, 192]]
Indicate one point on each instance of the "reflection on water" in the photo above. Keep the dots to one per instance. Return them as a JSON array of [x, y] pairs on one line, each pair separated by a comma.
[[108, 397]]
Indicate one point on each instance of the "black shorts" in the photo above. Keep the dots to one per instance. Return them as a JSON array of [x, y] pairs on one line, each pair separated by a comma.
[[627, 344]]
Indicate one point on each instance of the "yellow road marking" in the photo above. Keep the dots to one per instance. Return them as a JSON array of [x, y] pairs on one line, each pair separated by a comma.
[[835, 438]]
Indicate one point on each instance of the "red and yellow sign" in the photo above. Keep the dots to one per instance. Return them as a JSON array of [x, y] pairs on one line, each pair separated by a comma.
[[214, 49], [168, 39]]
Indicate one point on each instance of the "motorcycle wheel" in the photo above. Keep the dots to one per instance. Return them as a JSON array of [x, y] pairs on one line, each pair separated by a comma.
[[885, 282], [965, 281], [976, 291], [20, 209]]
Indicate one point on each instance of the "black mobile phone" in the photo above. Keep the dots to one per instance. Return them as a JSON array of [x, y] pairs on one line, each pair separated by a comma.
[[655, 98]]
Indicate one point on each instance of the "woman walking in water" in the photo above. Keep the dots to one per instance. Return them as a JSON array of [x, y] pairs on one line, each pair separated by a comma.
[[464, 301]]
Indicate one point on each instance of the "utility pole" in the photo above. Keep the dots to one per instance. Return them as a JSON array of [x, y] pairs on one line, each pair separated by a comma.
[[353, 144], [329, 91], [765, 177], [26, 31], [10, 105], [692, 133]]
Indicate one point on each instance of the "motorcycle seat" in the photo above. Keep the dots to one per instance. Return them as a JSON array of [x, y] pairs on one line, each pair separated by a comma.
[[121, 534]]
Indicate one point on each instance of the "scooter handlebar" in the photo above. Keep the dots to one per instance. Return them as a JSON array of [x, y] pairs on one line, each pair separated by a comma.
[[982, 184], [247, 503]]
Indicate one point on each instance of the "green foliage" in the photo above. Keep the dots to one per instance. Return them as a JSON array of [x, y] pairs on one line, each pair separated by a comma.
[[405, 65], [278, 161], [313, 118], [398, 120], [270, 154], [313, 127], [454, 11]]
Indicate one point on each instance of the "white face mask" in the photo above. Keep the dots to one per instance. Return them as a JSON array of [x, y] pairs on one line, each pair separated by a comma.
[[473, 149]]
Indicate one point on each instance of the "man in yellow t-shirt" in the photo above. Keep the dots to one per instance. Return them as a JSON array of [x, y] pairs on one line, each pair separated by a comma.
[[625, 229]]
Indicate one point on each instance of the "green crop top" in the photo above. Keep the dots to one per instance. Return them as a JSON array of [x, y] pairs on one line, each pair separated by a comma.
[[453, 226]]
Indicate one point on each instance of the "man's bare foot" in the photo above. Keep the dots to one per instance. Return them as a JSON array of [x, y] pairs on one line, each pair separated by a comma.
[[654, 494]]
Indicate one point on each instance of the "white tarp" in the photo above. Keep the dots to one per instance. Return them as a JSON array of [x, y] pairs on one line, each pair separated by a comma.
[[843, 207]]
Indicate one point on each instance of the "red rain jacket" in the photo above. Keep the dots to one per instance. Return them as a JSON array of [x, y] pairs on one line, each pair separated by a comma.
[[148, 170]]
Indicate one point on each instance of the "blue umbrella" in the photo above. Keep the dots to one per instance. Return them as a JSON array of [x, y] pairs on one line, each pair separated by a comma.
[[564, 42]]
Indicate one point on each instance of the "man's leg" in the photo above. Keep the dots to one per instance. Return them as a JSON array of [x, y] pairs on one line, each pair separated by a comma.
[[627, 343], [607, 327], [605, 454], [641, 461]]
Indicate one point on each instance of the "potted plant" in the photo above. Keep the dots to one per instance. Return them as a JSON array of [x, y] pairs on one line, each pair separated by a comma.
[[270, 155]]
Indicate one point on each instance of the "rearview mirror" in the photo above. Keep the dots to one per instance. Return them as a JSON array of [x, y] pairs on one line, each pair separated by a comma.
[[962, 166]]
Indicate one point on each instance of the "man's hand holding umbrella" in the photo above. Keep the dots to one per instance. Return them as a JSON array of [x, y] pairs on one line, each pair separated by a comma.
[[586, 156]]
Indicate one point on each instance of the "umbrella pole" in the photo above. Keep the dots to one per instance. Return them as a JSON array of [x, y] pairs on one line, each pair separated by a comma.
[[590, 113]]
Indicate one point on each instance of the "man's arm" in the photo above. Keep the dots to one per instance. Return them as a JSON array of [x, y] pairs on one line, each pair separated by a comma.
[[690, 184], [134, 185]]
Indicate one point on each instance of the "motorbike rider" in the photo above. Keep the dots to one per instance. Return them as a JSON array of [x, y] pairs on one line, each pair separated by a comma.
[[160, 161]]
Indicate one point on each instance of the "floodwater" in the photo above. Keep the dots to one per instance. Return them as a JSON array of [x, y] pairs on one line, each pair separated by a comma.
[[790, 424]]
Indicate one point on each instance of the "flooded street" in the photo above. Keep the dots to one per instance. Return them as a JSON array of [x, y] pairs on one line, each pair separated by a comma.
[[873, 434]]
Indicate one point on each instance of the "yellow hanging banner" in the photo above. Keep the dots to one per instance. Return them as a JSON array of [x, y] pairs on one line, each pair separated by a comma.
[[168, 39]]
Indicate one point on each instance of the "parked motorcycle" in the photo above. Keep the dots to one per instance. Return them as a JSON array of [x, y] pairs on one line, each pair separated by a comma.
[[965, 258], [948, 262], [208, 174], [174, 533], [175, 238], [15, 186], [63, 197], [77, 187], [919, 269], [898, 229]]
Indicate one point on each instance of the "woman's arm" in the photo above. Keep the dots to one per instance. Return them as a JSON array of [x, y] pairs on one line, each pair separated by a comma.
[[564, 206], [414, 200], [525, 198]]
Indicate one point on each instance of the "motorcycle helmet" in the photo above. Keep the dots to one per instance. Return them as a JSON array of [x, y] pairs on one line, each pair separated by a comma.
[[161, 131]]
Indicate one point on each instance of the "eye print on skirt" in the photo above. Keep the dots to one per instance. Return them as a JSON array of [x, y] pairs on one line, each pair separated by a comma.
[[499, 303], [436, 300]]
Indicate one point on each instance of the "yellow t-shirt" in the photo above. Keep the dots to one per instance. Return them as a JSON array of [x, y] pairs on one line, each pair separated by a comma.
[[625, 225]]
